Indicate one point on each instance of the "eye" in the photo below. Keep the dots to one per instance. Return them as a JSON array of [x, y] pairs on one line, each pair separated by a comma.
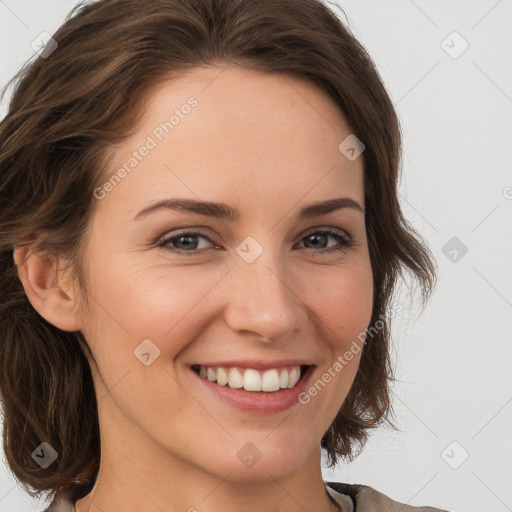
[[317, 238], [187, 240], [186, 243]]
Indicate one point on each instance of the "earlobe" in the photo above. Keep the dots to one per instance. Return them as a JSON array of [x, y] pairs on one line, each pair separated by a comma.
[[39, 274]]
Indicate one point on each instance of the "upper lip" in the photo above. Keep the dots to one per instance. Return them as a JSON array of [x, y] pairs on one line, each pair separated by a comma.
[[257, 364]]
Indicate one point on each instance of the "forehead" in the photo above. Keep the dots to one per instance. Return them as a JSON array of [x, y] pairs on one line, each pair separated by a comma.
[[236, 136]]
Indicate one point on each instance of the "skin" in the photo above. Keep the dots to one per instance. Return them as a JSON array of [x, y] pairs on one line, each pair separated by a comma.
[[267, 145]]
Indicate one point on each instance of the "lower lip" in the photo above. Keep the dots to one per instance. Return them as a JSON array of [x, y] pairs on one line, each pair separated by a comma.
[[259, 402]]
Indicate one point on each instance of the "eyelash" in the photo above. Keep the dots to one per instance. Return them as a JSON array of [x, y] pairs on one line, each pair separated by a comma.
[[345, 241]]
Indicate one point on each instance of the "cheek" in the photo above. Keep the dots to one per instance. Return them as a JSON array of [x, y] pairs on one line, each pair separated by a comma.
[[342, 299], [343, 302], [134, 302]]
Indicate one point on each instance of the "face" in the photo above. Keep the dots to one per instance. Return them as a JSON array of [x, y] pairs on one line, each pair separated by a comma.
[[266, 288]]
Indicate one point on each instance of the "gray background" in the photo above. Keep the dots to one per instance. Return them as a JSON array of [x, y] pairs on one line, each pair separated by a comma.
[[454, 391]]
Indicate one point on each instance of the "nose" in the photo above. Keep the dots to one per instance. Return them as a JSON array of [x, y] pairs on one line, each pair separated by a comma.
[[262, 298]]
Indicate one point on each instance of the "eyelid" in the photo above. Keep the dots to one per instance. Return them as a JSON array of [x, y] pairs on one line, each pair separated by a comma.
[[173, 233], [343, 232]]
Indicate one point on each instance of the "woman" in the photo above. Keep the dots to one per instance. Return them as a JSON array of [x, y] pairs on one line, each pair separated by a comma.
[[175, 333]]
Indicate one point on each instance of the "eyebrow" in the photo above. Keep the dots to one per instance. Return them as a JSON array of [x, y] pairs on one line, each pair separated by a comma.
[[224, 211]]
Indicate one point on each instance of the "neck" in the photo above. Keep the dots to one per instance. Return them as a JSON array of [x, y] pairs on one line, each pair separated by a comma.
[[190, 489]]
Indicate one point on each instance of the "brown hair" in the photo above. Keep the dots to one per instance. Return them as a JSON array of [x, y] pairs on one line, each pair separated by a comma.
[[66, 110]]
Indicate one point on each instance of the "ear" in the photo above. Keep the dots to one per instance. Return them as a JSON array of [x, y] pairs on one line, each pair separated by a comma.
[[40, 275]]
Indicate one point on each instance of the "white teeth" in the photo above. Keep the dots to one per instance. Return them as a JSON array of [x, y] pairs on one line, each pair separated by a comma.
[[236, 378], [251, 379], [283, 381], [222, 377], [270, 381], [293, 376], [211, 375]]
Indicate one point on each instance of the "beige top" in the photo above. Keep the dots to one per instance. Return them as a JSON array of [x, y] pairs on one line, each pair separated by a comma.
[[349, 497]]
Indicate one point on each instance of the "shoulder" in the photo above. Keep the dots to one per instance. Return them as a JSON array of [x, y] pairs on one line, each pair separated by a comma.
[[368, 499]]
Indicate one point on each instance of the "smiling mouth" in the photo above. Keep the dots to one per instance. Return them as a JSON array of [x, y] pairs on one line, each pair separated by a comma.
[[250, 379]]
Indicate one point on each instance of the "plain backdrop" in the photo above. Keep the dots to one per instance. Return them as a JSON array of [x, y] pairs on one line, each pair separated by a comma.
[[448, 69]]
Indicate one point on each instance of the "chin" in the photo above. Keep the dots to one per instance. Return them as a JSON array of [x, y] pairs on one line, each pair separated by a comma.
[[261, 459]]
